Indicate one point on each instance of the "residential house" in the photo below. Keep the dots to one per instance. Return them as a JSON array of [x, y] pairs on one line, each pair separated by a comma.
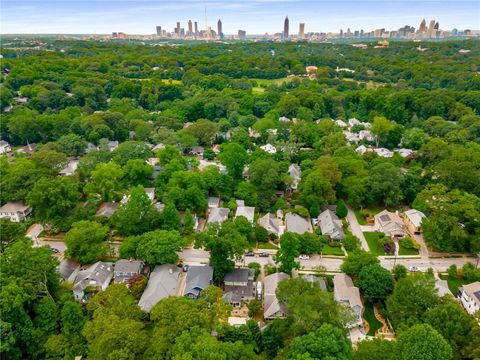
[[470, 297], [253, 134], [272, 309], [159, 206], [16, 211], [213, 202], [236, 321], [34, 232], [297, 224], [112, 145], [347, 294], [271, 223], [406, 153], [247, 212], [383, 152], [331, 225], [413, 220], [366, 135], [89, 148], [152, 161], [20, 99], [239, 286], [204, 163], [284, 119], [390, 224], [341, 123], [362, 149], [353, 122], [295, 174], [70, 169], [68, 270], [27, 149], [316, 280], [107, 209], [197, 151], [158, 147], [218, 215], [150, 193], [198, 278], [164, 281], [125, 269], [4, 147], [93, 279], [269, 148], [351, 137]]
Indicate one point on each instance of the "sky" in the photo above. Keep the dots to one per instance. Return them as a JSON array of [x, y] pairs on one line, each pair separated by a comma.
[[254, 16]]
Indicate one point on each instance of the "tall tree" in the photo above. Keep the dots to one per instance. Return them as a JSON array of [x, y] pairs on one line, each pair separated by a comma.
[[422, 342], [234, 157], [86, 241]]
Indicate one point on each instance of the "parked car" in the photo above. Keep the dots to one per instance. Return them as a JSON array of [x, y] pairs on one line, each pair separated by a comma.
[[413, 268], [304, 257], [250, 253], [264, 254], [56, 251], [185, 268]]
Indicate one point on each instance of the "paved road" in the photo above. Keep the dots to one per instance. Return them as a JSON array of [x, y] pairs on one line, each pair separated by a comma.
[[355, 228], [56, 244]]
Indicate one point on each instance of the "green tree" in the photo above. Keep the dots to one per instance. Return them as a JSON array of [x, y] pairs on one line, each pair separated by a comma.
[[9, 233], [72, 144], [86, 241], [52, 198], [138, 215], [385, 184], [188, 222], [356, 261], [136, 172], [376, 282], [289, 250], [341, 209], [105, 181], [234, 157], [422, 342], [399, 272], [327, 342], [375, 349], [381, 127], [171, 218], [159, 247], [412, 297]]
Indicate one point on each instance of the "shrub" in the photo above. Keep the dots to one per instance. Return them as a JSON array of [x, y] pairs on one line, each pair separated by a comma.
[[408, 243], [341, 209], [351, 243], [257, 267]]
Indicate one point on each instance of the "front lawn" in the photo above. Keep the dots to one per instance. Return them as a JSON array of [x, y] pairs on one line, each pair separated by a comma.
[[332, 250], [373, 243], [405, 251], [369, 316], [453, 284], [267, 246]]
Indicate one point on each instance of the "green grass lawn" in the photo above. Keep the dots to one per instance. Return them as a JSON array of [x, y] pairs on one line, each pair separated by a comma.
[[332, 250], [256, 90], [369, 316], [405, 251], [360, 213], [268, 82], [372, 240], [453, 284], [267, 246]]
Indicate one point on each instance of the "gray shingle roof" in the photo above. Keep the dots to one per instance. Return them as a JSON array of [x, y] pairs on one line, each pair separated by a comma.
[[270, 222], [163, 282], [198, 278], [297, 224], [96, 275], [217, 214], [271, 305], [331, 225]]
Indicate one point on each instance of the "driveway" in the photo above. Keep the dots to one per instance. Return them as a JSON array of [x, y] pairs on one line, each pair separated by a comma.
[[356, 229]]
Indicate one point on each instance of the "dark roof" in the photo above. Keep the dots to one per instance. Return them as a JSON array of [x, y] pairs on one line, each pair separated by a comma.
[[239, 275], [198, 278]]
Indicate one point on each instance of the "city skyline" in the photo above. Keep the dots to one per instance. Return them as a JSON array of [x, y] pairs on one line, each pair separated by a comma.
[[141, 17]]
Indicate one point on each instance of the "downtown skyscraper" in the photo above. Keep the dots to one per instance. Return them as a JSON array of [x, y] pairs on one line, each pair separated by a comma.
[[286, 26], [219, 29]]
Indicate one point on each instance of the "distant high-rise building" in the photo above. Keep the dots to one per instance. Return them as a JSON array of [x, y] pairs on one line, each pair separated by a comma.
[[242, 34], [286, 26], [341, 33], [220, 29], [437, 26], [301, 30], [361, 33], [196, 29], [159, 31], [423, 26], [177, 29], [190, 30]]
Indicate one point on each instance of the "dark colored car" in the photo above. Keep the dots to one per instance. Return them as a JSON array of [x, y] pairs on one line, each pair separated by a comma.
[[56, 251], [264, 255], [250, 253]]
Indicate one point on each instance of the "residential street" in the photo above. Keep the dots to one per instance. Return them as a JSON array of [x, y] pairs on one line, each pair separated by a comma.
[[355, 228]]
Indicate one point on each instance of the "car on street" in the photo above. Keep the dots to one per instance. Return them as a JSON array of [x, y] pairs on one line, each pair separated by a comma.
[[264, 254], [413, 268], [56, 251], [250, 253], [304, 257]]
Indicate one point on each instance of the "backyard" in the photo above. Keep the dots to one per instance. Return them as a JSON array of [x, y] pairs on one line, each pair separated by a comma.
[[361, 214], [369, 316]]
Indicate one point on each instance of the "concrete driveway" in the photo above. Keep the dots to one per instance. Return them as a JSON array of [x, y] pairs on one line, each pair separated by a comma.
[[356, 229]]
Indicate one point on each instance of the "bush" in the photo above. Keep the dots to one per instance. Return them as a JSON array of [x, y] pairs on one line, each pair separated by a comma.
[[408, 243], [351, 242], [261, 234], [469, 273], [257, 267], [270, 269], [254, 307], [341, 209], [452, 271], [314, 210]]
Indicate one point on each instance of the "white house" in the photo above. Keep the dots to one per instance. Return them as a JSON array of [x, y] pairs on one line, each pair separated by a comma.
[[4, 147], [16, 211], [247, 212], [413, 220], [471, 297], [351, 137], [269, 148], [383, 152], [93, 279], [366, 135], [70, 169], [341, 123], [406, 153]]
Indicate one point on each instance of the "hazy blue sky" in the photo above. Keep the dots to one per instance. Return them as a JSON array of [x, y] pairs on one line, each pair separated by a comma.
[[254, 16]]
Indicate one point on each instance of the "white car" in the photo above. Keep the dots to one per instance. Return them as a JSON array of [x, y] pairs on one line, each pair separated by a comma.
[[304, 257], [413, 268]]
